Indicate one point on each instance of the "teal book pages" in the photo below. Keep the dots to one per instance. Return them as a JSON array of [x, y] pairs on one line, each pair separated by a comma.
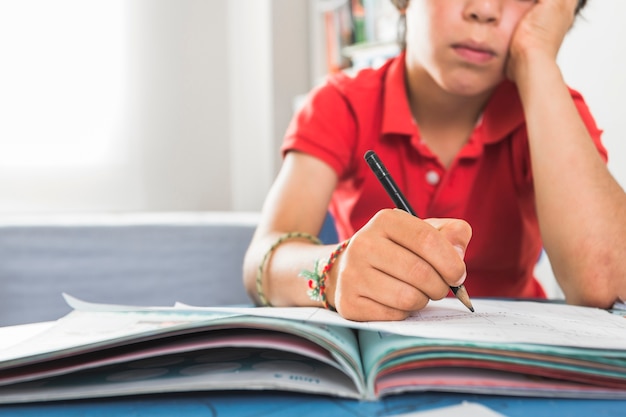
[[513, 348], [507, 347], [400, 363]]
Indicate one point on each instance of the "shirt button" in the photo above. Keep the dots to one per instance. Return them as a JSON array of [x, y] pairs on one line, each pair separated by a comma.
[[432, 177]]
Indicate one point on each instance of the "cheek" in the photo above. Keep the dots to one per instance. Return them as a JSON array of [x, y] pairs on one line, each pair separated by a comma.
[[506, 31], [511, 20], [421, 38]]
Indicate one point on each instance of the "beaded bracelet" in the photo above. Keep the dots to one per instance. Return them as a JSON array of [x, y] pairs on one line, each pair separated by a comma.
[[317, 280], [281, 239]]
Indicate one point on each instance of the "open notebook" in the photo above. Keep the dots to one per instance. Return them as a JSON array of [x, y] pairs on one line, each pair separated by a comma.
[[506, 347]]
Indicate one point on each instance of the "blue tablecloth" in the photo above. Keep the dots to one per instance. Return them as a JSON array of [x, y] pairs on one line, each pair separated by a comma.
[[301, 405]]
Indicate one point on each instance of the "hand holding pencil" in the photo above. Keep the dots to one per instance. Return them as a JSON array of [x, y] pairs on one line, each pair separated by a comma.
[[402, 203], [396, 263]]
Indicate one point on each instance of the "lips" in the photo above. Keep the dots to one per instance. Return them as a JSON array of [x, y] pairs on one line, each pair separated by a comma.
[[474, 52]]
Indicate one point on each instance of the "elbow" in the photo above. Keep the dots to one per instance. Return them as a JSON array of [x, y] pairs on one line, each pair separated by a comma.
[[597, 287], [585, 299], [595, 279], [250, 267]]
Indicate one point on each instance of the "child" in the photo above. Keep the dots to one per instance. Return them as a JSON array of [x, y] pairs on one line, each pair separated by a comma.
[[477, 127]]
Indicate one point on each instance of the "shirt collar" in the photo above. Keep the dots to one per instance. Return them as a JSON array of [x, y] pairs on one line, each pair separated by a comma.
[[397, 117], [502, 115]]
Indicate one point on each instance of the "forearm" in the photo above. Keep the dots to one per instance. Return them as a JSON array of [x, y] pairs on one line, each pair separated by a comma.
[[274, 263], [581, 208], [297, 203]]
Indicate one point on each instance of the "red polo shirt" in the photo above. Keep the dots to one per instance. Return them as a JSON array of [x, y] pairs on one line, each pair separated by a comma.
[[489, 184]]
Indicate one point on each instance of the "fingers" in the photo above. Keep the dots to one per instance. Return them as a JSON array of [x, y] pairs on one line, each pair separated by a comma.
[[540, 32], [459, 234], [376, 296], [438, 242], [397, 277], [397, 263]]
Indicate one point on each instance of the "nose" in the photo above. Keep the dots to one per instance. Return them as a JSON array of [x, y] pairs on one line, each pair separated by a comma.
[[483, 11]]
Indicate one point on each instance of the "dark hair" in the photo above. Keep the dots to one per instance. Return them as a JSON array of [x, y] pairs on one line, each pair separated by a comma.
[[400, 4]]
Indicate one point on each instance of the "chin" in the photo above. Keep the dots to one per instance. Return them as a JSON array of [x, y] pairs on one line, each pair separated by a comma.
[[470, 86], [469, 91]]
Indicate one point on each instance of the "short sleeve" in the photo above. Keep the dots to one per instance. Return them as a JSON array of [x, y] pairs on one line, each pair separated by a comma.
[[588, 119], [324, 127]]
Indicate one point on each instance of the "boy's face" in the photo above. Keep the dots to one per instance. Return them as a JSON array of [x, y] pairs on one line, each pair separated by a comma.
[[463, 44]]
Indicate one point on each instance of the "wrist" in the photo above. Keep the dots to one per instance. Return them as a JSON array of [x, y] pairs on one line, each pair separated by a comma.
[[319, 278], [261, 291], [534, 70]]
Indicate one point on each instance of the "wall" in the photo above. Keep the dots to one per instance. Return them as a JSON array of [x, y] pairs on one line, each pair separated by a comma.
[[593, 61], [268, 67], [178, 62], [197, 92]]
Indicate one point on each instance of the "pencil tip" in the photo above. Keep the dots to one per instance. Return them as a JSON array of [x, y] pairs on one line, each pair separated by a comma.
[[461, 294]]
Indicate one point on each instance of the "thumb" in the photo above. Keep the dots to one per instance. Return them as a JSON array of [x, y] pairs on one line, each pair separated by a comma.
[[456, 231]]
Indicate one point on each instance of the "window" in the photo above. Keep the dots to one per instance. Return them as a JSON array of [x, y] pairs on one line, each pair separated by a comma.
[[62, 81]]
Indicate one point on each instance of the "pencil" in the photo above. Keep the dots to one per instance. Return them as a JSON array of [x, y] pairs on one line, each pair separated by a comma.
[[401, 202]]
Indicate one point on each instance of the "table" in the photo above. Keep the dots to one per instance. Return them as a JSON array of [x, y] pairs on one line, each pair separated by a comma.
[[273, 404]]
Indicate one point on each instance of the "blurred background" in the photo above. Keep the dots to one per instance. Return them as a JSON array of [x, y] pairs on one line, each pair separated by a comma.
[[157, 105]]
